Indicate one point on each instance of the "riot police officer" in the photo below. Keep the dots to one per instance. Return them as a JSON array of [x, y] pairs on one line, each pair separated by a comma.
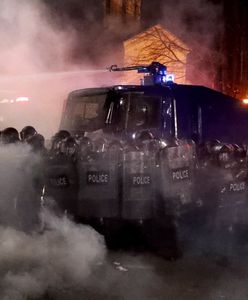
[[85, 148], [13, 157], [9, 136], [29, 192], [69, 148], [37, 143], [144, 140], [61, 181], [27, 132], [57, 139]]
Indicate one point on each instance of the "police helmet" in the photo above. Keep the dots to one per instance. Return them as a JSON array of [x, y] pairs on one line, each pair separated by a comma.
[[213, 146], [146, 141], [238, 149], [27, 132], [79, 136], [10, 135], [69, 146], [58, 138], [37, 142], [62, 134]]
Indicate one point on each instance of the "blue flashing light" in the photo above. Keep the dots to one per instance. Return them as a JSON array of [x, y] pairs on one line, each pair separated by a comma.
[[170, 78], [163, 79], [162, 72]]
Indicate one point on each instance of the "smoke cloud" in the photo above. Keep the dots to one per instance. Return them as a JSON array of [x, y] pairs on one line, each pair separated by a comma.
[[43, 57], [47, 48], [69, 261], [29, 42], [59, 259], [34, 262]]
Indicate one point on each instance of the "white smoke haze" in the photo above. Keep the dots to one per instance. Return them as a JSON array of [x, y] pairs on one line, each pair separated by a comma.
[[59, 259], [33, 263], [12, 161], [29, 42], [69, 261], [36, 61], [64, 256], [33, 41], [196, 20]]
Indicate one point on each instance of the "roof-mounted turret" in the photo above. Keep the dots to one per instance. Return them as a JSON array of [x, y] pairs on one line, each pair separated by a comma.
[[156, 73]]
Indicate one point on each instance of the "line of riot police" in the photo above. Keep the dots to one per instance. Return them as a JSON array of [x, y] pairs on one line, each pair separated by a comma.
[[153, 188], [221, 189], [22, 177], [28, 135]]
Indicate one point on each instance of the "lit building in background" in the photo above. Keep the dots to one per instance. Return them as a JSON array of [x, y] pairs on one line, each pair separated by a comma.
[[143, 47], [109, 26], [156, 44]]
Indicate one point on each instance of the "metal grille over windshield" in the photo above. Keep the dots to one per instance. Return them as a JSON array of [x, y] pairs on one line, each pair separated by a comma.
[[113, 111], [87, 113]]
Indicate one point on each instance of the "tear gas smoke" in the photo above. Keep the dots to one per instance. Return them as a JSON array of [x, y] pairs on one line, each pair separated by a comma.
[[67, 261], [32, 263], [59, 259], [35, 39], [32, 43]]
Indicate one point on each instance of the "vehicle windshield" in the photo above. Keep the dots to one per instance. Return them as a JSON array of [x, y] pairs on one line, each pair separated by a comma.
[[85, 113], [144, 112], [113, 111]]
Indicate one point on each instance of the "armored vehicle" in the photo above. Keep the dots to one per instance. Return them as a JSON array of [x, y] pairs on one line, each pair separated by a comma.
[[145, 152]]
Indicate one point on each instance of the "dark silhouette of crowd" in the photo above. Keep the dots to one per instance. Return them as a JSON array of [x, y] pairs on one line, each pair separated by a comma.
[[55, 174], [28, 135], [31, 175]]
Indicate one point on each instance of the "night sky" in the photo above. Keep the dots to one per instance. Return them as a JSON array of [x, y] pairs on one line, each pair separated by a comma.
[[222, 23], [215, 30]]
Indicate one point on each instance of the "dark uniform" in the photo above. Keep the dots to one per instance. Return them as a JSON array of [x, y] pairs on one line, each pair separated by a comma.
[[11, 156], [61, 179], [99, 193], [9, 136], [232, 201], [27, 132], [30, 192], [176, 171]]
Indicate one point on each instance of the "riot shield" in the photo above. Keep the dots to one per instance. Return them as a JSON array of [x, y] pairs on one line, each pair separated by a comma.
[[138, 181]]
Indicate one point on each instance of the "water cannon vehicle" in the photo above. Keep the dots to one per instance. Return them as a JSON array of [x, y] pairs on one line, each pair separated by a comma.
[[147, 153]]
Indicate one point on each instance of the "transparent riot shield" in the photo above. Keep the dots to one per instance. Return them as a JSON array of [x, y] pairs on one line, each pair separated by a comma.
[[138, 183], [177, 176], [98, 186], [232, 210], [61, 184]]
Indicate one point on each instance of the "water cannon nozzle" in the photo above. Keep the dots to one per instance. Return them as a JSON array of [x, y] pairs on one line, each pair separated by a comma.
[[157, 72], [112, 68]]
